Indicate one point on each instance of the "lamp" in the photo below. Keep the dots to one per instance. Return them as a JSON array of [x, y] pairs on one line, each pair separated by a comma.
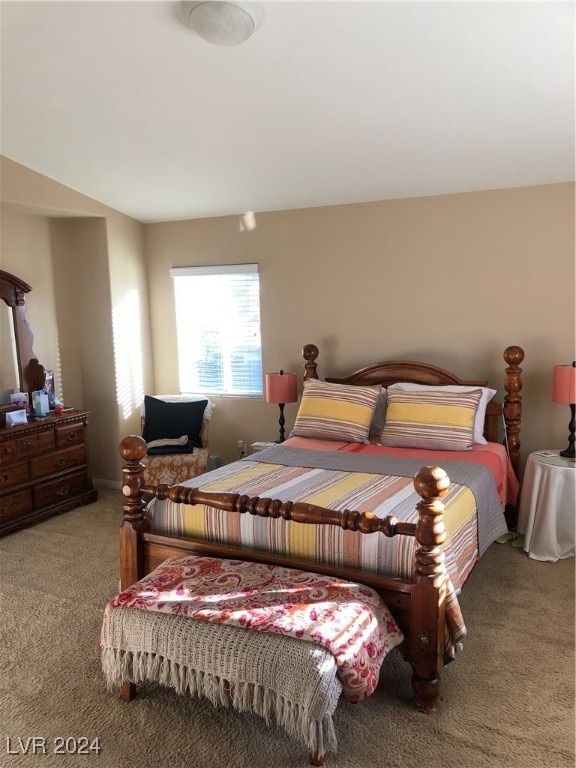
[[564, 391], [223, 23], [281, 388]]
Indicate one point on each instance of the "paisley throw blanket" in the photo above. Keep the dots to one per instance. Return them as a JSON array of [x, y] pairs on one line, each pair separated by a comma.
[[350, 620]]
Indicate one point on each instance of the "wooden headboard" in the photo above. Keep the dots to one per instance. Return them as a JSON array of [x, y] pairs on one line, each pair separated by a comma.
[[394, 371]]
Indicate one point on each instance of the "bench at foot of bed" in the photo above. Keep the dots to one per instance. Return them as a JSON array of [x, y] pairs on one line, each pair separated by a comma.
[[279, 642]]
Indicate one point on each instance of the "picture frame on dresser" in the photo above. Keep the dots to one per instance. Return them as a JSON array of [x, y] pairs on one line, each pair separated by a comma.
[[4, 409]]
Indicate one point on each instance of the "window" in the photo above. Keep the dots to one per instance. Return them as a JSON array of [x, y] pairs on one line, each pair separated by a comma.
[[218, 327]]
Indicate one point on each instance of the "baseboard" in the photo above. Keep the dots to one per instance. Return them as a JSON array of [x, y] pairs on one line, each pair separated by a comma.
[[98, 482]]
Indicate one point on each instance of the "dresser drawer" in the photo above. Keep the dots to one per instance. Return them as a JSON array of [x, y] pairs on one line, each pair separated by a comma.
[[15, 474], [71, 434], [60, 461], [32, 445], [14, 506], [46, 441], [9, 452], [57, 491], [28, 446]]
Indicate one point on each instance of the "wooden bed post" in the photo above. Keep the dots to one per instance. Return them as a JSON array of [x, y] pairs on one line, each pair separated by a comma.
[[132, 449], [513, 404], [310, 352], [428, 609]]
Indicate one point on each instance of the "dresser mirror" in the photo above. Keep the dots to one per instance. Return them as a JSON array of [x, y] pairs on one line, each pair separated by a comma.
[[9, 378], [20, 369]]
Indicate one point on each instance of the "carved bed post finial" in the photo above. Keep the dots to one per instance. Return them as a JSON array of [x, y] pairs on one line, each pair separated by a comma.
[[132, 449], [310, 353], [431, 483], [513, 404], [428, 608]]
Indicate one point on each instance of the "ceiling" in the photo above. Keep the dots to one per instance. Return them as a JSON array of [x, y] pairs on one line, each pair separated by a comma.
[[328, 103]]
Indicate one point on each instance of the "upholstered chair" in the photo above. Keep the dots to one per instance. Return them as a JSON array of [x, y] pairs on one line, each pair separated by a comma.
[[175, 428]]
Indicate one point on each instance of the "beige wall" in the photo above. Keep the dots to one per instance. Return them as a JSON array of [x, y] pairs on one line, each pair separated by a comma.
[[450, 280], [85, 263]]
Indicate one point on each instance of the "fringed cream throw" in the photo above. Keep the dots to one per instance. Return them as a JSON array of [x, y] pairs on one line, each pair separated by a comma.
[[285, 681], [279, 642]]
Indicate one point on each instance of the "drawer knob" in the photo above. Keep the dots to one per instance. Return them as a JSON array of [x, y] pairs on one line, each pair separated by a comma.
[[7, 451], [3, 479], [27, 446], [64, 491], [60, 462], [72, 436]]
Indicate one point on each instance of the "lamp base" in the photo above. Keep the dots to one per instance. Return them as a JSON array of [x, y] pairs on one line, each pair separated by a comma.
[[570, 452], [281, 421]]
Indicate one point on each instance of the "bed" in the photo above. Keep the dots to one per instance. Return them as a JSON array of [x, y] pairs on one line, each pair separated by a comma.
[[366, 507]]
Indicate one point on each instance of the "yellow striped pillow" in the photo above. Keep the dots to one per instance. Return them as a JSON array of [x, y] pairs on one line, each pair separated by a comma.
[[335, 411], [435, 420]]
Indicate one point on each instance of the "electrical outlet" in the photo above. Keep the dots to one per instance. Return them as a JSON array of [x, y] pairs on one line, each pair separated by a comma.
[[241, 444]]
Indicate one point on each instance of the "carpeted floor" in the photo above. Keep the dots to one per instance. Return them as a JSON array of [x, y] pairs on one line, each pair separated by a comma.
[[507, 701]]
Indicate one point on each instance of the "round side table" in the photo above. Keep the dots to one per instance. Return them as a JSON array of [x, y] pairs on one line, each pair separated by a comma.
[[547, 506]]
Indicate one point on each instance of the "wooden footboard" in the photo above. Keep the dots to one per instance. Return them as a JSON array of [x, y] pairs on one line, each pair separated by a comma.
[[419, 606]]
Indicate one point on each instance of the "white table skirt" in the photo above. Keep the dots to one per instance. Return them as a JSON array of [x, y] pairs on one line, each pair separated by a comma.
[[547, 507]]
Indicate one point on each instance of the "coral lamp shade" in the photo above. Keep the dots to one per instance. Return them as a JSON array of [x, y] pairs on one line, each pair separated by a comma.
[[564, 384], [281, 387]]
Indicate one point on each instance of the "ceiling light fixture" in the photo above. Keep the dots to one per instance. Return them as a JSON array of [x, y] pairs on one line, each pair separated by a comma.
[[223, 23]]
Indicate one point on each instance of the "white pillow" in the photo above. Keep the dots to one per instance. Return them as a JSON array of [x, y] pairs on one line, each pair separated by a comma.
[[487, 395]]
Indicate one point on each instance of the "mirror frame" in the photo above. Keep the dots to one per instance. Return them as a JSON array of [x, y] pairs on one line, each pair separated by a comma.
[[31, 374]]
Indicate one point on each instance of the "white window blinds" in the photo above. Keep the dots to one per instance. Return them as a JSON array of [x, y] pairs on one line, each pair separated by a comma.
[[218, 327]]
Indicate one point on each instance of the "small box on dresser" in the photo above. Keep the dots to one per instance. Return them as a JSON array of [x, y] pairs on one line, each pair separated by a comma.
[[43, 469]]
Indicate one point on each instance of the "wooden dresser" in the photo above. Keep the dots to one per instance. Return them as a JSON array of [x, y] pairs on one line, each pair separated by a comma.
[[43, 469]]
